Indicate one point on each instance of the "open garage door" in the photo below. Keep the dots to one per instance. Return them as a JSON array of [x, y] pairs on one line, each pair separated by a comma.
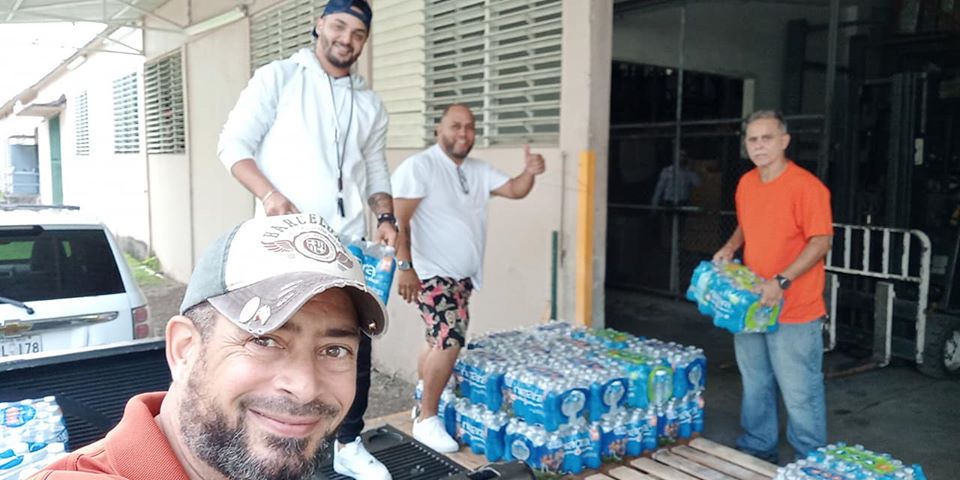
[[684, 75]]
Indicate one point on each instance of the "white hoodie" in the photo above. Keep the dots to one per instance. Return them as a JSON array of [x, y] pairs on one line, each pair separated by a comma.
[[286, 121]]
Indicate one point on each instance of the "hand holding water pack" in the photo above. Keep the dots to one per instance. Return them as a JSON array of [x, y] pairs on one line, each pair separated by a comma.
[[728, 293], [378, 264]]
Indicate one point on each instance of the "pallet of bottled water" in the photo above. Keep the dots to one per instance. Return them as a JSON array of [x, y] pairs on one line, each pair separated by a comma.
[[571, 448], [727, 293], [32, 434], [843, 462], [561, 397]]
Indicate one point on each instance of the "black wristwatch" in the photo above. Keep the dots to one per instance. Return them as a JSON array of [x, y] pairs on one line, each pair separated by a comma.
[[783, 281], [386, 217]]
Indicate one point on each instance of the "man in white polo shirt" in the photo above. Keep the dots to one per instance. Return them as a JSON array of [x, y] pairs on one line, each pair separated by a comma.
[[440, 199]]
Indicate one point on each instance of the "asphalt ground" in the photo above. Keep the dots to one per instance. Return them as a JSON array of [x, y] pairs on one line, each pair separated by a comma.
[[894, 409]]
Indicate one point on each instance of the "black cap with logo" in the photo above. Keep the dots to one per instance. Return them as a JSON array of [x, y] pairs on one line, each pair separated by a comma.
[[357, 8]]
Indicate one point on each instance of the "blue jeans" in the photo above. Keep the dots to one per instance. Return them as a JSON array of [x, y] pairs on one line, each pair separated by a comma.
[[792, 359], [353, 424]]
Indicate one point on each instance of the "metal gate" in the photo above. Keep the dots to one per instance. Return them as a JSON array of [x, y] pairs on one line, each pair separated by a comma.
[[894, 257]]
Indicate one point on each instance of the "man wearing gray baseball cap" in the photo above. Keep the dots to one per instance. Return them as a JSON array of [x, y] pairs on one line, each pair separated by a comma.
[[263, 361]]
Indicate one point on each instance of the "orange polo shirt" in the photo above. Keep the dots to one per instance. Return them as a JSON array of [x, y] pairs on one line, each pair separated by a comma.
[[136, 449], [778, 218]]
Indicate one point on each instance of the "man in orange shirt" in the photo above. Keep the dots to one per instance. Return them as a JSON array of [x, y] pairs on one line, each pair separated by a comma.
[[785, 227], [263, 359]]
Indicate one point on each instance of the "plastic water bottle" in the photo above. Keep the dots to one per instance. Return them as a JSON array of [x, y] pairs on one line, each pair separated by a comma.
[[672, 428], [680, 362], [696, 369], [28, 462], [696, 412], [446, 410], [662, 380], [417, 399], [591, 453], [378, 264], [572, 450], [635, 420], [848, 463], [684, 418]]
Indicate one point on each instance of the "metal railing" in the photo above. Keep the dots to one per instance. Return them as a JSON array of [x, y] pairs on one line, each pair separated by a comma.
[[886, 254]]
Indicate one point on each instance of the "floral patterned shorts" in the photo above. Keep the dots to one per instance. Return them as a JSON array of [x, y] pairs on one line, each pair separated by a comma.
[[443, 305]]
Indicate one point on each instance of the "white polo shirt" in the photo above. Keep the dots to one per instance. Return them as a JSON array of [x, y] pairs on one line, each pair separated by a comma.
[[449, 228]]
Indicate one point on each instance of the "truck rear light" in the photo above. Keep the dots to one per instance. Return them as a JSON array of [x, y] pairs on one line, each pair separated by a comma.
[[141, 315]]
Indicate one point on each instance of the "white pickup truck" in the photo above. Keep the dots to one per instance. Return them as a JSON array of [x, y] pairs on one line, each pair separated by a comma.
[[64, 283]]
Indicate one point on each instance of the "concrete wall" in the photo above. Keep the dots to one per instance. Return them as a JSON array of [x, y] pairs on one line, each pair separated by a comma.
[[740, 39], [214, 81], [584, 127], [194, 198], [113, 186]]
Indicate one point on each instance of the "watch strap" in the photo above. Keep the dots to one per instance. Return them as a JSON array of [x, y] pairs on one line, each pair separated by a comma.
[[386, 217]]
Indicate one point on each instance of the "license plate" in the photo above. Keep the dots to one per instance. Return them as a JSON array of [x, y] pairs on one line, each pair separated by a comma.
[[21, 345]]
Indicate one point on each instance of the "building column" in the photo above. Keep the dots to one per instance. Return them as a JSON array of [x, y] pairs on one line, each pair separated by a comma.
[[584, 137]]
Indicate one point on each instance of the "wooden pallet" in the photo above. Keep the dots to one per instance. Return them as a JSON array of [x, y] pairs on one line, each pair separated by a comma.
[[698, 459]]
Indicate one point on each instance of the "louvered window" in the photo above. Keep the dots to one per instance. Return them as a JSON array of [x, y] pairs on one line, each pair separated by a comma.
[[500, 57], [163, 104], [280, 31], [81, 125], [398, 68], [126, 115]]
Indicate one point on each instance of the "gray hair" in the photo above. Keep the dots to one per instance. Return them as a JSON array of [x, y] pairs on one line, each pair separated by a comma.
[[203, 316], [762, 114]]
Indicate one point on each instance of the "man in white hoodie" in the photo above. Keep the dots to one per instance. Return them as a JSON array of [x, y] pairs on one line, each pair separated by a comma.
[[308, 136]]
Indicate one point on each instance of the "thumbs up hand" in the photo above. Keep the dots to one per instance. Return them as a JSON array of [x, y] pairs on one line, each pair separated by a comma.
[[534, 162]]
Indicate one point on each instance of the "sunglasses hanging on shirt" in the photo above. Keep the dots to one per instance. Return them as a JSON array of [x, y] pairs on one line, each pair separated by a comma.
[[463, 180], [336, 140]]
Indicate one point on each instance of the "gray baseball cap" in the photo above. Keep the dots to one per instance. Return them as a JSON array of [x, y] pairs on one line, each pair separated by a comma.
[[259, 274]]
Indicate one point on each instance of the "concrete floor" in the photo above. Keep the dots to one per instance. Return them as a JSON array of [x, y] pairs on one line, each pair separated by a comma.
[[895, 409]]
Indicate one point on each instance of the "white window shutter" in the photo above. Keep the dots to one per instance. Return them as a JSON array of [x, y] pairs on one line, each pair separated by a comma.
[[398, 68], [163, 104], [501, 58], [81, 125], [279, 31], [126, 115]]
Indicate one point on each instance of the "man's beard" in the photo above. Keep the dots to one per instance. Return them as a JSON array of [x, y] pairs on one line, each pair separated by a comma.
[[327, 47], [451, 145], [209, 436]]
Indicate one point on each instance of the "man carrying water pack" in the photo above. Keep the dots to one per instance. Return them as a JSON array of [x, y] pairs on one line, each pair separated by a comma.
[[785, 225], [307, 135]]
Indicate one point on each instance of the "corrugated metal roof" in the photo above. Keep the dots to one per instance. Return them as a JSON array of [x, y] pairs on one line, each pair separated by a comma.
[[101, 11]]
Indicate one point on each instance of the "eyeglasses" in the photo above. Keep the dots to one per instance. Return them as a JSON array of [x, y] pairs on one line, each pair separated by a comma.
[[463, 180]]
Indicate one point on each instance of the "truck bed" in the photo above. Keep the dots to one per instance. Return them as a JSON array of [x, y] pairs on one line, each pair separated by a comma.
[[92, 386]]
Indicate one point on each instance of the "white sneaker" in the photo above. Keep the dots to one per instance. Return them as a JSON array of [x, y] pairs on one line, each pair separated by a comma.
[[431, 433], [353, 460]]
